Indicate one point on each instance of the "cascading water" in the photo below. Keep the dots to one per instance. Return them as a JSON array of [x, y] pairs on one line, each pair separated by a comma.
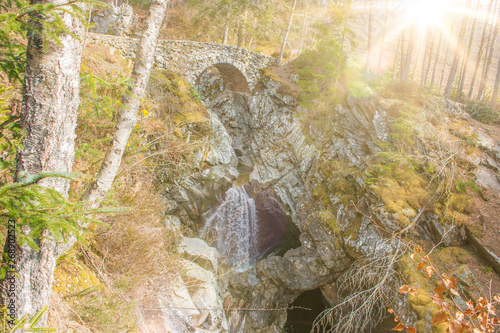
[[232, 226]]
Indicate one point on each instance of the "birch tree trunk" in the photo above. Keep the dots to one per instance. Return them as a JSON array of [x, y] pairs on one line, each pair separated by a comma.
[[127, 115], [280, 59], [225, 35], [48, 116]]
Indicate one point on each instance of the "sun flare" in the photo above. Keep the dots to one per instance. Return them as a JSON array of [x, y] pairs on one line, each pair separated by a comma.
[[427, 13]]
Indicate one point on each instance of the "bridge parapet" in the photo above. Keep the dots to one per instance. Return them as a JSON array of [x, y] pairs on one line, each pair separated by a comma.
[[191, 59]]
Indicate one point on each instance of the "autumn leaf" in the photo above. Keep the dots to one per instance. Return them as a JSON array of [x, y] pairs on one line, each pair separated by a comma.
[[481, 304], [439, 317], [483, 320], [407, 289], [445, 306], [411, 330], [400, 327], [450, 282], [439, 289], [437, 298], [428, 271], [420, 266], [455, 327], [459, 316]]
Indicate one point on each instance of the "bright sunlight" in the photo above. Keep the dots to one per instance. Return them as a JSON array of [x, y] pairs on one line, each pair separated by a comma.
[[427, 13]]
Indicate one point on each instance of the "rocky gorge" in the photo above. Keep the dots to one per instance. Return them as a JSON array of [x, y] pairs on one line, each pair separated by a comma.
[[319, 218]]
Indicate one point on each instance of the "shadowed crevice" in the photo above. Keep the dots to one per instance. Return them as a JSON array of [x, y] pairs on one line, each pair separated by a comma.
[[233, 79]]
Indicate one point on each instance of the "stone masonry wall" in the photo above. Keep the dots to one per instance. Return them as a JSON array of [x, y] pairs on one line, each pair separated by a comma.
[[192, 58]]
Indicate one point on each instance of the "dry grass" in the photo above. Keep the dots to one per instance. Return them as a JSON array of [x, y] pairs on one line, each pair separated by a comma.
[[63, 318], [136, 245], [176, 128]]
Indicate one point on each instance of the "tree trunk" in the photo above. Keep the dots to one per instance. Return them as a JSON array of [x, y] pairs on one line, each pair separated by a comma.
[[480, 52], [444, 65], [419, 50], [494, 94], [48, 116], [405, 68], [394, 67], [402, 55], [384, 31], [425, 75], [304, 28], [241, 36], [465, 67], [436, 59], [456, 58], [225, 35], [491, 51], [127, 115], [368, 51], [280, 59]]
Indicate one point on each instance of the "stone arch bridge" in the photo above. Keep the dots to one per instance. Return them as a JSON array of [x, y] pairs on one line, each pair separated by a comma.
[[239, 68]]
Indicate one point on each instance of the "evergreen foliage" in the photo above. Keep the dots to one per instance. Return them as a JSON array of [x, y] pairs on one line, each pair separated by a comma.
[[41, 208], [321, 68], [213, 16], [27, 323], [19, 17]]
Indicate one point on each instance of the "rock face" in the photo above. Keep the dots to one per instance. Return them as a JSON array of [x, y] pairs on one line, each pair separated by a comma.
[[192, 300], [189, 198], [358, 128], [113, 20], [310, 234], [261, 144], [271, 149]]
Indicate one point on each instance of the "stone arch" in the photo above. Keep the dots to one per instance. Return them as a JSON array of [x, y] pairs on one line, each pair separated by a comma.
[[233, 78]]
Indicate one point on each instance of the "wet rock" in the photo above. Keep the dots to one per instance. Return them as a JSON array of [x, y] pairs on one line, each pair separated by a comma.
[[194, 195]]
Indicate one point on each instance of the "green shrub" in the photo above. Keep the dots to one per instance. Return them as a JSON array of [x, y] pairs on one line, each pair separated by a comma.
[[482, 112]]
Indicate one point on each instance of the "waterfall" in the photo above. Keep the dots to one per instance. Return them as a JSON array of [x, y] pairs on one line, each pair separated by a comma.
[[232, 227]]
